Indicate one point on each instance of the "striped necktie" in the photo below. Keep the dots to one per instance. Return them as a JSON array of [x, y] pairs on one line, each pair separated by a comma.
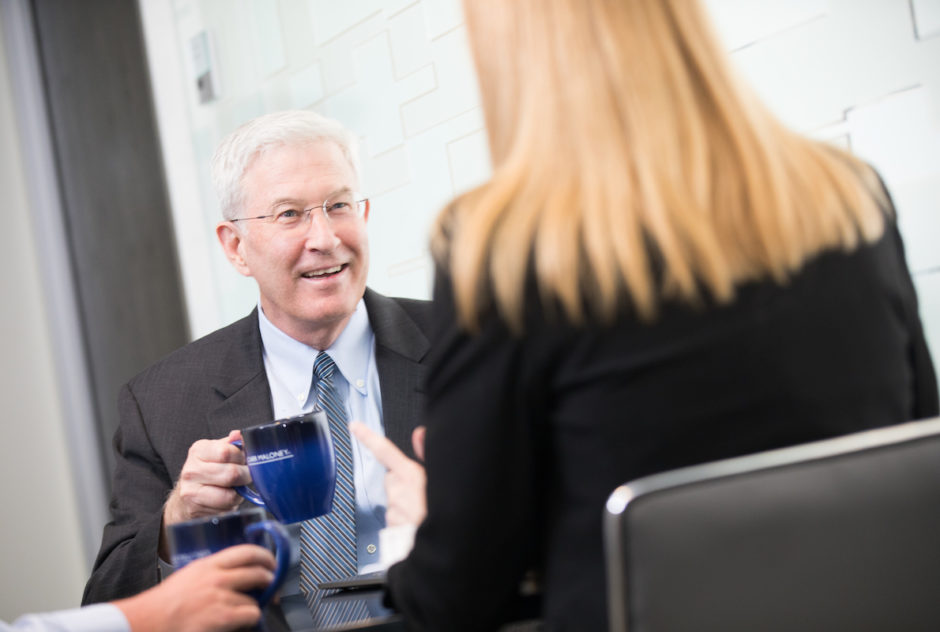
[[328, 542]]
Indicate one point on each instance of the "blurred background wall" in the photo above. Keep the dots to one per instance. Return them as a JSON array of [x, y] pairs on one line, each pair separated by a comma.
[[861, 73]]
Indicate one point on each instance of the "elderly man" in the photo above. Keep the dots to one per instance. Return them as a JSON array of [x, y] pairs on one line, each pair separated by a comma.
[[296, 223]]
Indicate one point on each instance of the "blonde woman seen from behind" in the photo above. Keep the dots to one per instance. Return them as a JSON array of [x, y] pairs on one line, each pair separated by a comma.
[[657, 274], [618, 147]]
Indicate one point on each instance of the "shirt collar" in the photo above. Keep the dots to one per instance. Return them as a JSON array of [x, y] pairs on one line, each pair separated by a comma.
[[293, 360]]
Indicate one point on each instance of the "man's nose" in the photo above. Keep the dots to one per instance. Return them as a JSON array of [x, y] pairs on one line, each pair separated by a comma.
[[320, 233]]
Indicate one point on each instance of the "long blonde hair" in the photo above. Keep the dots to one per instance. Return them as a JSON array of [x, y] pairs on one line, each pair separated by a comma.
[[619, 135]]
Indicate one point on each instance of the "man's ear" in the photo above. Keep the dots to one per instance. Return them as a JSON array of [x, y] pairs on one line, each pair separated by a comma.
[[365, 214], [231, 239]]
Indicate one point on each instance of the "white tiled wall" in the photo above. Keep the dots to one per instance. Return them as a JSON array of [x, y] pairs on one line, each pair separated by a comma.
[[864, 73]]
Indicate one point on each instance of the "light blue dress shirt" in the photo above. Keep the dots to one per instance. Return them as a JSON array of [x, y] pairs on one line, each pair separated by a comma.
[[97, 618], [289, 367]]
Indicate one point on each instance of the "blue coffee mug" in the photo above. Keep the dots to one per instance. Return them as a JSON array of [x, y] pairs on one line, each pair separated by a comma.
[[292, 466], [198, 538]]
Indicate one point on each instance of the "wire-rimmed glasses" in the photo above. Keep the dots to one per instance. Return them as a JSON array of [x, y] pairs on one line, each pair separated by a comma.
[[340, 207]]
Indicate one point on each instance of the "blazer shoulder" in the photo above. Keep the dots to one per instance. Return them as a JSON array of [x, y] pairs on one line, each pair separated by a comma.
[[211, 353], [418, 310], [400, 324]]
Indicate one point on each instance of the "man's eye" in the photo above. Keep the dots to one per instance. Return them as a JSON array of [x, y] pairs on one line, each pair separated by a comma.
[[338, 207], [287, 216]]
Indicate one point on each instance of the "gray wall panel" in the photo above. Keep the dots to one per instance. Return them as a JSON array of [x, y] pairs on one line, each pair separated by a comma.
[[116, 211]]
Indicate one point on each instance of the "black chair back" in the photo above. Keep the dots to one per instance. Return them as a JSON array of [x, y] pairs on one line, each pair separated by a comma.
[[842, 534]]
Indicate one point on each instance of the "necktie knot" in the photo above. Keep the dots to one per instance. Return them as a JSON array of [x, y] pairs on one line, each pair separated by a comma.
[[324, 366]]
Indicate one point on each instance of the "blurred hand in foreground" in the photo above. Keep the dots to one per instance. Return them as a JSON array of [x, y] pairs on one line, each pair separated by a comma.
[[206, 595]]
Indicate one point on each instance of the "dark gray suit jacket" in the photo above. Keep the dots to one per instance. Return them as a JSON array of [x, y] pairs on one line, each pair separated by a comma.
[[203, 391]]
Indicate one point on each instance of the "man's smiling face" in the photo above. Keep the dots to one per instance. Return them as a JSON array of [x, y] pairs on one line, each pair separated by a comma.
[[310, 277]]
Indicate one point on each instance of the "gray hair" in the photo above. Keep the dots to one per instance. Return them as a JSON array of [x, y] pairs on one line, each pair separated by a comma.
[[278, 129]]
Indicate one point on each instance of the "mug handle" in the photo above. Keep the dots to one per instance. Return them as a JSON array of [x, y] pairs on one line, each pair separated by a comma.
[[282, 545], [243, 490]]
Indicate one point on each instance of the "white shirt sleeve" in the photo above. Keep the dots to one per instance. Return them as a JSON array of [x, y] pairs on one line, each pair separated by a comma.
[[96, 618]]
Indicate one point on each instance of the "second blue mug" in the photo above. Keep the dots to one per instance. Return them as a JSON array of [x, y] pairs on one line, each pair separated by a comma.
[[292, 466], [200, 537]]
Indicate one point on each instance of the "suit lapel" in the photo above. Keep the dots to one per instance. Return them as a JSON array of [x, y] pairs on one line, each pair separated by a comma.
[[242, 386], [400, 346]]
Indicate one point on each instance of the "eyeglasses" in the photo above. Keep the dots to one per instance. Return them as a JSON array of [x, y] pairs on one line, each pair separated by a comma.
[[338, 208]]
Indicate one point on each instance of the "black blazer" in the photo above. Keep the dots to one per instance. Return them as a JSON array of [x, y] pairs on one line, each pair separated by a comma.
[[203, 391], [528, 435]]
